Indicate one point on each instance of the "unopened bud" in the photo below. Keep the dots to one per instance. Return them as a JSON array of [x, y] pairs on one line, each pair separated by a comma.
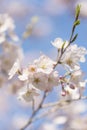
[[63, 93], [72, 86]]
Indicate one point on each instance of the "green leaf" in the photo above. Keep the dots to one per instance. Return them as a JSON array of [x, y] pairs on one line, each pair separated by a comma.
[[77, 22], [77, 10], [63, 44], [74, 38]]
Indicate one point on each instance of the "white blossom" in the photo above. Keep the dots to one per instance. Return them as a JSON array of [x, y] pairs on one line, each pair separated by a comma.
[[14, 69], [72, 94], [39, 80], [6, 23], [27, 94], [75, 84], [27, 72], [83, 84], [77, 79], [24, 75], [73, 55], [58, 43], [53, 80], [76, 76], [43, 81], [9, 53], [44, 64]]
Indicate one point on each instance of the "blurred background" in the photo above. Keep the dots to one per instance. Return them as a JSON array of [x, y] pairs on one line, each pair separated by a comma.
[[47, 19]]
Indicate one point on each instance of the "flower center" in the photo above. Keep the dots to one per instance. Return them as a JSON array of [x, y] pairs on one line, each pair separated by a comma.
[[32, 69], [69, 62], [37, 80]]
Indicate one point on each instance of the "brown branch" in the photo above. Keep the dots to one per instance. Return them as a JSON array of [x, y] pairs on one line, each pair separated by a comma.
[[63, 102], [55, 107], [70, 39], [34, 112]]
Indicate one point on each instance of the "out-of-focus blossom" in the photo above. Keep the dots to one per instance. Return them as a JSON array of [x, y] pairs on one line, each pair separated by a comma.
[[83, 4], [6, 23], [18, 9], [43, 27], [79, 120], [30, 27], [19, 121], [13, 36], [48, 126], [80, 108], [7, 28], [55, 7], [11, 53], [60, 120], [2, 79], [4, 103], [2, 38], [14, 86]]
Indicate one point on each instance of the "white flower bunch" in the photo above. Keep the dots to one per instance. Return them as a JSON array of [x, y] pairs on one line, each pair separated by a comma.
[[9, 51], [39, 74], [43, 76]]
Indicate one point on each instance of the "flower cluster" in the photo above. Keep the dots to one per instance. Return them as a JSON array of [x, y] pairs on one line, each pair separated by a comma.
[[7, 27], [9, 51], [72, 81], [41, 74]]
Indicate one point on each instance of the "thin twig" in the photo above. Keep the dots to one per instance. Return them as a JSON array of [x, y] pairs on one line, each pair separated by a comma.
[[52, 110], [70, 41], [55, 107], [34, 112], [63, 102]]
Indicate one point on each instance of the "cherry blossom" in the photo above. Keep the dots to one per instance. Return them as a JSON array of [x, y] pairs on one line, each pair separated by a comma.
[[44, 64], [72, 58], [58, 43], [15, 68], [27, 94]]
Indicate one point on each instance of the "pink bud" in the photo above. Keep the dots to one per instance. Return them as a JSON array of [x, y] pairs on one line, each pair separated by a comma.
[[63, 93], [72, 86]]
